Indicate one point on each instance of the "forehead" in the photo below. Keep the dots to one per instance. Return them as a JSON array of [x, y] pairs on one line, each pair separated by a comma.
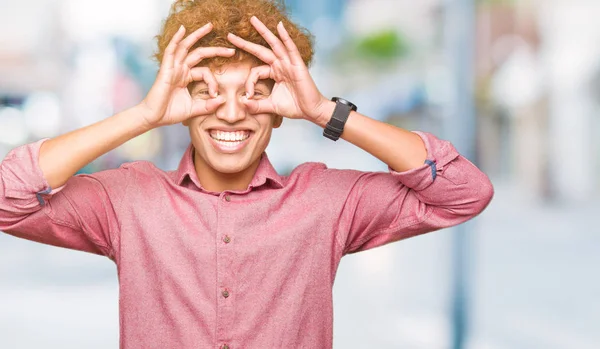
[[233, 73]]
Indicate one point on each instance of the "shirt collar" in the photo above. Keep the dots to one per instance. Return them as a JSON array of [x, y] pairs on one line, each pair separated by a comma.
[[264, 172]]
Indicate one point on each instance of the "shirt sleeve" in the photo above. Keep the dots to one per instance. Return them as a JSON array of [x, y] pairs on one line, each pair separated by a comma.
[[380, 208], [79, 215]]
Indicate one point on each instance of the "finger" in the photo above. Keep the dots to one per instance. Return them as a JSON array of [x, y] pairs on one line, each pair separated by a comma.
[[273, 41], [208, 106], [185, 44], [256, 73], [204, 74], [294, 54], [263, 53], [197, 55], [261, 106], [168, 56]]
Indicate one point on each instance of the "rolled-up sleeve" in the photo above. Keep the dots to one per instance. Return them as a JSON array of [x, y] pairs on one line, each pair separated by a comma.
[[380, 208], [79, 215]]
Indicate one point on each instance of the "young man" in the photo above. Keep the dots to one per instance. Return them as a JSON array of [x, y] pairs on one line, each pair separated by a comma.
[[223, 252]]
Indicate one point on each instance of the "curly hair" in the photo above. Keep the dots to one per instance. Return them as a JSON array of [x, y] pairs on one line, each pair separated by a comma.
[[231, 16]]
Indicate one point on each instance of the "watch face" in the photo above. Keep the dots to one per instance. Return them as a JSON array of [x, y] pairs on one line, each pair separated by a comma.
[[343, 101]]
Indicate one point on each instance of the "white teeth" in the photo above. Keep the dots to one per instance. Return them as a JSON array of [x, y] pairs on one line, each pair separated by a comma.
[[229, 136], [229, 144]]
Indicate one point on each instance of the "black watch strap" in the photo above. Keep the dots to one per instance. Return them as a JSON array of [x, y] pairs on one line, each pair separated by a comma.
[[334, 128]]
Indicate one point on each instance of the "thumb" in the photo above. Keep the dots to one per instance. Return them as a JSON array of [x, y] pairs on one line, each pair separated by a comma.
[[262, 106], [207, 106]]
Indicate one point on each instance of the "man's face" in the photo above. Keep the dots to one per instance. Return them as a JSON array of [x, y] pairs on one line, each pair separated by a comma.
[[231, 140]]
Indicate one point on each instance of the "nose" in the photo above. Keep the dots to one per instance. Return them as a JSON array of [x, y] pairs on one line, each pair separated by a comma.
[[233, 110]]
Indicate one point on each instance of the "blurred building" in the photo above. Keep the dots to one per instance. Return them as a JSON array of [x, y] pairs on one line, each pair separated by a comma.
[[538, 107]]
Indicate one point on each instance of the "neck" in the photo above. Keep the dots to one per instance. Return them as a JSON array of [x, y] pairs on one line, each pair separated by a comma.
[[212, 180]]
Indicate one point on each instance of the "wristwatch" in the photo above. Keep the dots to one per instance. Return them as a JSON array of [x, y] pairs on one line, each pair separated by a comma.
[[334, 128]]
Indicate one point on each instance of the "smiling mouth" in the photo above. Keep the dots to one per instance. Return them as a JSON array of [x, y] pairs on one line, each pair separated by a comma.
[[229, 142], [222, 136]]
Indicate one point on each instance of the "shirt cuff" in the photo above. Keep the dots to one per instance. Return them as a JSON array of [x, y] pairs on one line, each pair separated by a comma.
[[23, 177], [439, 154]]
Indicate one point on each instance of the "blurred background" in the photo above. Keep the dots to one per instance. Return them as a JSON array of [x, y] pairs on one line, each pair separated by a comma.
[[515, 84]]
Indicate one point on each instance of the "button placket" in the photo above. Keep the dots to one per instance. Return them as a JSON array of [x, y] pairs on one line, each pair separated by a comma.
[[225, 262]]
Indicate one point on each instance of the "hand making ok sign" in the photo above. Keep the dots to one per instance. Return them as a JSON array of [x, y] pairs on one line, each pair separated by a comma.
[[294, 94], [169, 101]]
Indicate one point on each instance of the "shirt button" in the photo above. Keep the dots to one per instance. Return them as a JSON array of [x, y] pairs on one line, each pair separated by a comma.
[[226, 239], [227, 198], [225, 293], [225, 346]]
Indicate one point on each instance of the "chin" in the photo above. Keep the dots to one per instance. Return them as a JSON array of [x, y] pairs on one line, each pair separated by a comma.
[[228, 164]]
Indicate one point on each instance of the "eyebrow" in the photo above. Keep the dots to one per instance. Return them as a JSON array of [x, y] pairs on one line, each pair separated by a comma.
[[263, 82]]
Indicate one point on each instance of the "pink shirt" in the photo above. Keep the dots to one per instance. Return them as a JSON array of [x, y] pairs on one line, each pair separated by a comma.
[[237, 269]]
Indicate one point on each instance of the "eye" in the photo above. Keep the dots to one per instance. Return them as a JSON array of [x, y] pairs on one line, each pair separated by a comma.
[[260, 93], [203, 93]]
